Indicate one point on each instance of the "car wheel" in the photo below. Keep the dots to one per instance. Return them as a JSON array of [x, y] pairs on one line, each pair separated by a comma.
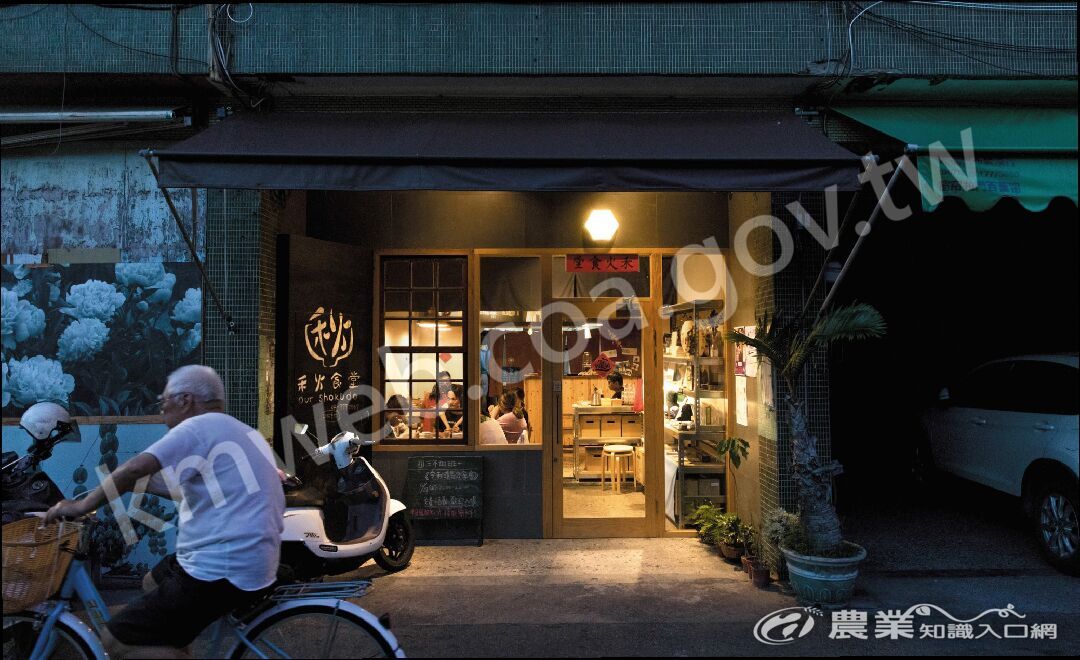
[[1057, 528]]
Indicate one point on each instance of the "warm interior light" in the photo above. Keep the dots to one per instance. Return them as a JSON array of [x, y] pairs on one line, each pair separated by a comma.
[[601, 225], [432, 324]]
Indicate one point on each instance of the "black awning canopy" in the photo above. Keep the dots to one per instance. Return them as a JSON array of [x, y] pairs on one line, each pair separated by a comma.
[[722, 151]]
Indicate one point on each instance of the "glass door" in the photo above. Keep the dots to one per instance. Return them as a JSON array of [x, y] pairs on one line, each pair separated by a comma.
[[603, 343]]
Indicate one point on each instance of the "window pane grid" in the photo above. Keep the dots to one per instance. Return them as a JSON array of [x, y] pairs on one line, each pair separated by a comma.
[[424, 301]]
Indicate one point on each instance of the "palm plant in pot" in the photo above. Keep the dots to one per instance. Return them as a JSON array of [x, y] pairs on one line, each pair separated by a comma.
[[822, 566]]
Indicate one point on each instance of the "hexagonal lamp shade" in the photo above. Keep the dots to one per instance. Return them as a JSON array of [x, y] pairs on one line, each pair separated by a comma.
[[601, 225]]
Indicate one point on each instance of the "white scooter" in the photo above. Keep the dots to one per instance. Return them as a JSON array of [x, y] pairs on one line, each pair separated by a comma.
[[343, 516]]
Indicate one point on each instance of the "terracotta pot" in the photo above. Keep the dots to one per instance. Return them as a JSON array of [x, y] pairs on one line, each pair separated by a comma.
[[730, 552]]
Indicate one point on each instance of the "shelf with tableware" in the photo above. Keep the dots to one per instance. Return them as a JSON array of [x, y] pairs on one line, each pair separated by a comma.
[[695, 407]]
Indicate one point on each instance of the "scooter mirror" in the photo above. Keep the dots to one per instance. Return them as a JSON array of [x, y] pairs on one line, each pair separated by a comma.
[[300, 429]]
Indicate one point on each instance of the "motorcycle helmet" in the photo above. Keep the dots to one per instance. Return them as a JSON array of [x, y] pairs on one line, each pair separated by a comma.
[[49, 421]]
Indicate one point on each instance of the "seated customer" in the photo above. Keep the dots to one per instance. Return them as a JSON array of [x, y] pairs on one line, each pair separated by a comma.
[[451, 420], [491, 433], [397, 416], [511, 416], [524, 408]]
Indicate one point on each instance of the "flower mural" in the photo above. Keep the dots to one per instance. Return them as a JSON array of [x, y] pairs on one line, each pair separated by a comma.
[[38, 379], [189, 310], [82, 340], [98, 338], [19, 319], [93, 299], [139, 275]]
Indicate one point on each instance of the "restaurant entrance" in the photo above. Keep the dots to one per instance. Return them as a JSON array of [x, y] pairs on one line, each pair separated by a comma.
[[603, 481]]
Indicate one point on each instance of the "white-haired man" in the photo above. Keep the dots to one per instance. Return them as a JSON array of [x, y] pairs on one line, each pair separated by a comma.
[[231, 508]]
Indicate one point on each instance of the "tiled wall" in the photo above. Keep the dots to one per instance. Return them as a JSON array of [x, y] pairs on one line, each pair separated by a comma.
[[784, 38], [242, 227], [232, 261], [785, 293]]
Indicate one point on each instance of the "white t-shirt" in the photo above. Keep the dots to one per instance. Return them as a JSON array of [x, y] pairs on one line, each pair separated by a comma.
[[232, 509], [491, 433]]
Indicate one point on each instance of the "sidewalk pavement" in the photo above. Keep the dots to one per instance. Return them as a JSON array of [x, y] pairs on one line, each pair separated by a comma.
[[665, 597], [676, 597]]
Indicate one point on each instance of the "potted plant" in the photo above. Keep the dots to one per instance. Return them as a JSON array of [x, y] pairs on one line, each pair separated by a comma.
[[822, 565], [756, 568], [731, 536], [705, 518]]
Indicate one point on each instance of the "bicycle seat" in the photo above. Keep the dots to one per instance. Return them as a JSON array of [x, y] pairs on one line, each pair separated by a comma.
[[306, 496]]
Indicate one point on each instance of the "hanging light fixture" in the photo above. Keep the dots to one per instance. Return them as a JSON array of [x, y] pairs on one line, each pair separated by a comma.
[[601, 225]]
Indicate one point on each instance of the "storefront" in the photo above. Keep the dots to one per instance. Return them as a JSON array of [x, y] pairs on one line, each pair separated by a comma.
[[453, 264]]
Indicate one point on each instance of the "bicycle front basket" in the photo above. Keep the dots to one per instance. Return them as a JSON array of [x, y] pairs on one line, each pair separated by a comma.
[[36, 558]]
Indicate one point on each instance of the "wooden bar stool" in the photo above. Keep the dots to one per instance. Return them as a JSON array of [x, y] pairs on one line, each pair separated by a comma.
[[617, 458]]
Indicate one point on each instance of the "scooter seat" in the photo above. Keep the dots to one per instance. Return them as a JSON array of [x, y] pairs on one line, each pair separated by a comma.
[[306, 496]]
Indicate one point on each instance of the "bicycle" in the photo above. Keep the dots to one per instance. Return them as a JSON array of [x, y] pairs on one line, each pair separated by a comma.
[[295, 620]]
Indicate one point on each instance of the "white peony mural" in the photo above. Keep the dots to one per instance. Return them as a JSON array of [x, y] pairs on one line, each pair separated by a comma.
[[97, 338]]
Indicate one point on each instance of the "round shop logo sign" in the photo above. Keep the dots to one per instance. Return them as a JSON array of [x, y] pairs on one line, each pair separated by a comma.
[[784, 626], [328, 337]]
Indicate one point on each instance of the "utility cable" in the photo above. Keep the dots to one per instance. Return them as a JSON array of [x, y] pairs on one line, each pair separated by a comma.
[[133, 49]]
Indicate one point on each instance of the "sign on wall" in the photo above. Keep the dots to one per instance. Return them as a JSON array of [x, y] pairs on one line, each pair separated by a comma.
[[602, 263]]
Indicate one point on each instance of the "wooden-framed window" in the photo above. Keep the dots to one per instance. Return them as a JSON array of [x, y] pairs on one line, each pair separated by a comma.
[[423, 348]]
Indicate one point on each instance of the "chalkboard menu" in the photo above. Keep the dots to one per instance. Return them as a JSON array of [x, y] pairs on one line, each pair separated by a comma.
[[445, 487]]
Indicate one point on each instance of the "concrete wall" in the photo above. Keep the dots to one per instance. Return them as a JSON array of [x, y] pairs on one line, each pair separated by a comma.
[[747, 478], [513, 501], [90, 195]]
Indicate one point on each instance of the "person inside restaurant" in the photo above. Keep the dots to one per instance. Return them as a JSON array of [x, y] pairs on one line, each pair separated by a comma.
[[511, 416], [615, 384]]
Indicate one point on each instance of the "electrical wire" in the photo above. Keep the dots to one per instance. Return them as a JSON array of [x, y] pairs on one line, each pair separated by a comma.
[[26, 15], [125, 46], [221, 57], [63, 89], [922, 38], [997, 6], [850, 44], [972, 41]]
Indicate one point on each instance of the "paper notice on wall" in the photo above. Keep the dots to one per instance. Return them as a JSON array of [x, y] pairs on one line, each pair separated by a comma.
[[746, 359], [765, 383], [742, 417]]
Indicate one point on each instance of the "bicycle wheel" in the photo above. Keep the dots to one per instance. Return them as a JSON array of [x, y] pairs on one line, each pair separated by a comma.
[[316, 631], [20, 636]]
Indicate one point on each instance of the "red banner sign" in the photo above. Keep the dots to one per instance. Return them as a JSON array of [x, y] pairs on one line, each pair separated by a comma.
[[602, 263]]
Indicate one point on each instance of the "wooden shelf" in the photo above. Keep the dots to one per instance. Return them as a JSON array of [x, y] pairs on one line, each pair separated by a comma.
[[668, 310]]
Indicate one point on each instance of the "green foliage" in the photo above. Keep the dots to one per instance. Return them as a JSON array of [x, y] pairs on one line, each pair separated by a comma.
[[735, 448], [730, 530], [787, 342], [705, 518], [782, 528]]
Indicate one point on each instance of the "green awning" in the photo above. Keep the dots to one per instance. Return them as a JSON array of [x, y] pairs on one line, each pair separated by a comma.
[[1025, 153]]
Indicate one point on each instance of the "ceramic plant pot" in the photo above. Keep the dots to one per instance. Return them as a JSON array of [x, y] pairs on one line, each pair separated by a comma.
[[826, 582]]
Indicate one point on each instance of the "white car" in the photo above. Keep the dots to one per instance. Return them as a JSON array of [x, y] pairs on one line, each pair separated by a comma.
[[1012, 425]]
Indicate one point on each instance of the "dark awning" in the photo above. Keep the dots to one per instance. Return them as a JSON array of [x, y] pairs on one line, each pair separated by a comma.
[[510, 151]]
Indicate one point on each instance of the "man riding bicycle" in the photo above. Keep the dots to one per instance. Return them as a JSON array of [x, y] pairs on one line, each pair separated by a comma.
[[230, 505]]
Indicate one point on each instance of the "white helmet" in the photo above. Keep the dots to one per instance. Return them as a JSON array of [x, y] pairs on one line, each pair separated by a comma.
[[49, 420]]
